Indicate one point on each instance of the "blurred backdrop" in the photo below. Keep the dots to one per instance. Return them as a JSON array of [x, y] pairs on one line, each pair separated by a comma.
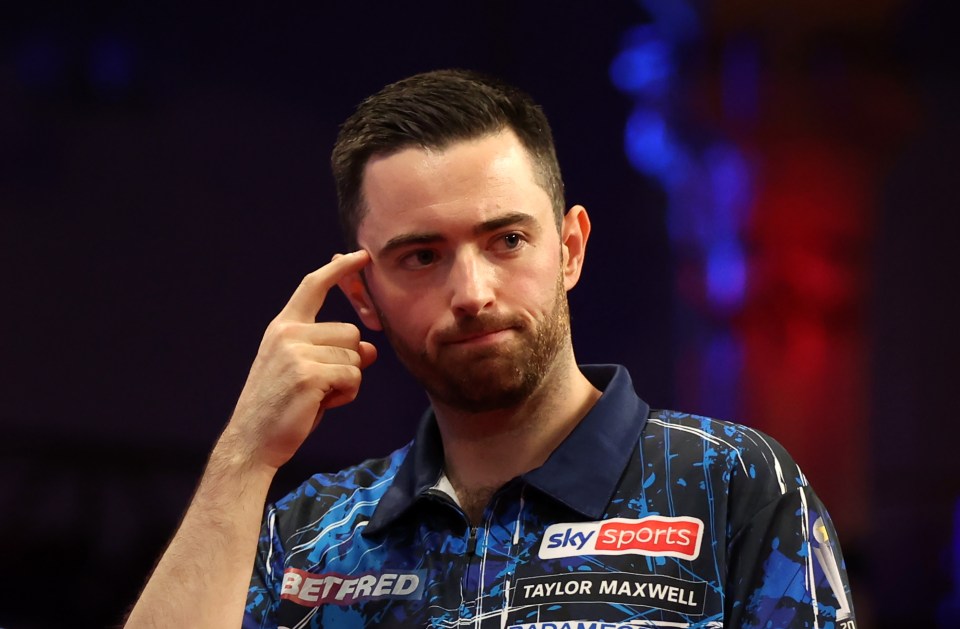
[[773, 192]]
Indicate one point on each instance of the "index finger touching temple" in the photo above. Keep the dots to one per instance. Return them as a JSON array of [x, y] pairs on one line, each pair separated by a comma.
[[307, 300]]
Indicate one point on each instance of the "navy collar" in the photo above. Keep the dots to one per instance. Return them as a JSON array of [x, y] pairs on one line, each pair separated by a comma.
[[582, 473]]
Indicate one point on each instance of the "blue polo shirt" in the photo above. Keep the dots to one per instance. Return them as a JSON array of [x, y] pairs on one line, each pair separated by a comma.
[[638, 519]]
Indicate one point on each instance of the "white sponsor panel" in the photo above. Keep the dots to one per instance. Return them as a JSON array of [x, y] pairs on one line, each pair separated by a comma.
[[646, 590]]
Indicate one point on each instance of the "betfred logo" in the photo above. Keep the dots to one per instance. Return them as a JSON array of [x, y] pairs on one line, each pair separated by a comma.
[[654, 535], [312, 590]]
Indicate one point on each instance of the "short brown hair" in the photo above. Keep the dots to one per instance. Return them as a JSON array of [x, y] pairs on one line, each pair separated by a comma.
[[433, 110]]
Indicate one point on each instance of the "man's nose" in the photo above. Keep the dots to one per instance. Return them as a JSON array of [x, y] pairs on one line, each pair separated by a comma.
[[472, 282]]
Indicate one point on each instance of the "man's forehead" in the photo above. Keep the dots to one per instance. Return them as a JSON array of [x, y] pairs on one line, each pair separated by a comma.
[[472, 181], [442, 146], [499, 148]]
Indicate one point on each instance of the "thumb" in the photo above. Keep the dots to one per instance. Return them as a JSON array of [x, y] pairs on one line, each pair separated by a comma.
[[368, 354]]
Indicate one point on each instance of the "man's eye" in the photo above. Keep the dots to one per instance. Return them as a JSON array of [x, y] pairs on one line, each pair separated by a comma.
[[511, 241], [420, 258]]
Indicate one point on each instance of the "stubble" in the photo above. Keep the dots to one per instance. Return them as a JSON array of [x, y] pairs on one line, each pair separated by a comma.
[[490, 378]]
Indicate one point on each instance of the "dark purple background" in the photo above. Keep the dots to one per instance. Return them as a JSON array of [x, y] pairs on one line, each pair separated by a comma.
[[164, 185]]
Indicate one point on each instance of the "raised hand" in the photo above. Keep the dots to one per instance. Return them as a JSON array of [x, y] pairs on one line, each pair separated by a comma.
[[302, 368]]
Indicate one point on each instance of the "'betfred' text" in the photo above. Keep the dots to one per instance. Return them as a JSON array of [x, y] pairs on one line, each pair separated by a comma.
[[311, 590]]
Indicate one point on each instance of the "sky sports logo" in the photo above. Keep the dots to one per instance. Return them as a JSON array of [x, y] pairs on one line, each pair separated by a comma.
[[654, 535]]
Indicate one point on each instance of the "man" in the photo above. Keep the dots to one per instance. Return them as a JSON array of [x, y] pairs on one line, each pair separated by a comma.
[[537, 493]]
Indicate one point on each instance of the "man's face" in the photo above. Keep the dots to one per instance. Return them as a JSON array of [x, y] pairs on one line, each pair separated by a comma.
[[466, 273]]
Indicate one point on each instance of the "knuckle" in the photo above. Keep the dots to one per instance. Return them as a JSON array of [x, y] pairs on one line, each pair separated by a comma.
[[353, 357], [300, 374], [312, 380], [354, 373], [278, 328], [347, 375], [347, 357], [313, 280], [350, 394], [350, 333], [341, 334]]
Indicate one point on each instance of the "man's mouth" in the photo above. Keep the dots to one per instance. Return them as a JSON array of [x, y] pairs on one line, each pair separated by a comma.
[[479, 337], [479, 331]]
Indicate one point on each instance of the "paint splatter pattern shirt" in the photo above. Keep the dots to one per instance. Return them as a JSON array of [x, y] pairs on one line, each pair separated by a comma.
[[638, 519]]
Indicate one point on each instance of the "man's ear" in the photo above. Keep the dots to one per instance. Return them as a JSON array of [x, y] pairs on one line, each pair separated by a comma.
[[355, 289], [574, 232]]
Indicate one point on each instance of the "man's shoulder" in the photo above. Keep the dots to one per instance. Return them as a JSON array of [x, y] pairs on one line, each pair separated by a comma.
[[722, 433], [745, 452], [360, 485]]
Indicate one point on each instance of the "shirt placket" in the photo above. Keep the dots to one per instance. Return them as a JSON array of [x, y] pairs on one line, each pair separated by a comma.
[[490, 568]]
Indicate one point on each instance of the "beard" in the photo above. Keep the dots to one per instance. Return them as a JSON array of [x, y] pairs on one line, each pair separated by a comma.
[[491, 377]]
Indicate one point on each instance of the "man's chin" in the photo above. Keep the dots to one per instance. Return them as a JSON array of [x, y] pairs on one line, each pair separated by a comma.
[[474, 399], [487, 382]]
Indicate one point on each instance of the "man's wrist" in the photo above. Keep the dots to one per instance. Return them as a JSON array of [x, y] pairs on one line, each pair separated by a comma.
[[238, 456]]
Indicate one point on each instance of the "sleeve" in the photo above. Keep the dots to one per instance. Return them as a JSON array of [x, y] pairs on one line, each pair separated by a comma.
[[263, 597], [786, 568]]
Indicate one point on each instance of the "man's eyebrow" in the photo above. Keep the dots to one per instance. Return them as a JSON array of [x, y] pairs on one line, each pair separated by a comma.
[[405, 240], [513, 218]]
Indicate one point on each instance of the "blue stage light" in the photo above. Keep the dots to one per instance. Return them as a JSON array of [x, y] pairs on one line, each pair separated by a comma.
[[726, 274], [644, 67], [648, 144]]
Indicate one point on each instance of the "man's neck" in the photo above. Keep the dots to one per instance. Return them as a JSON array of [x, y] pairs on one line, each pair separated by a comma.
[[483, 451]]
